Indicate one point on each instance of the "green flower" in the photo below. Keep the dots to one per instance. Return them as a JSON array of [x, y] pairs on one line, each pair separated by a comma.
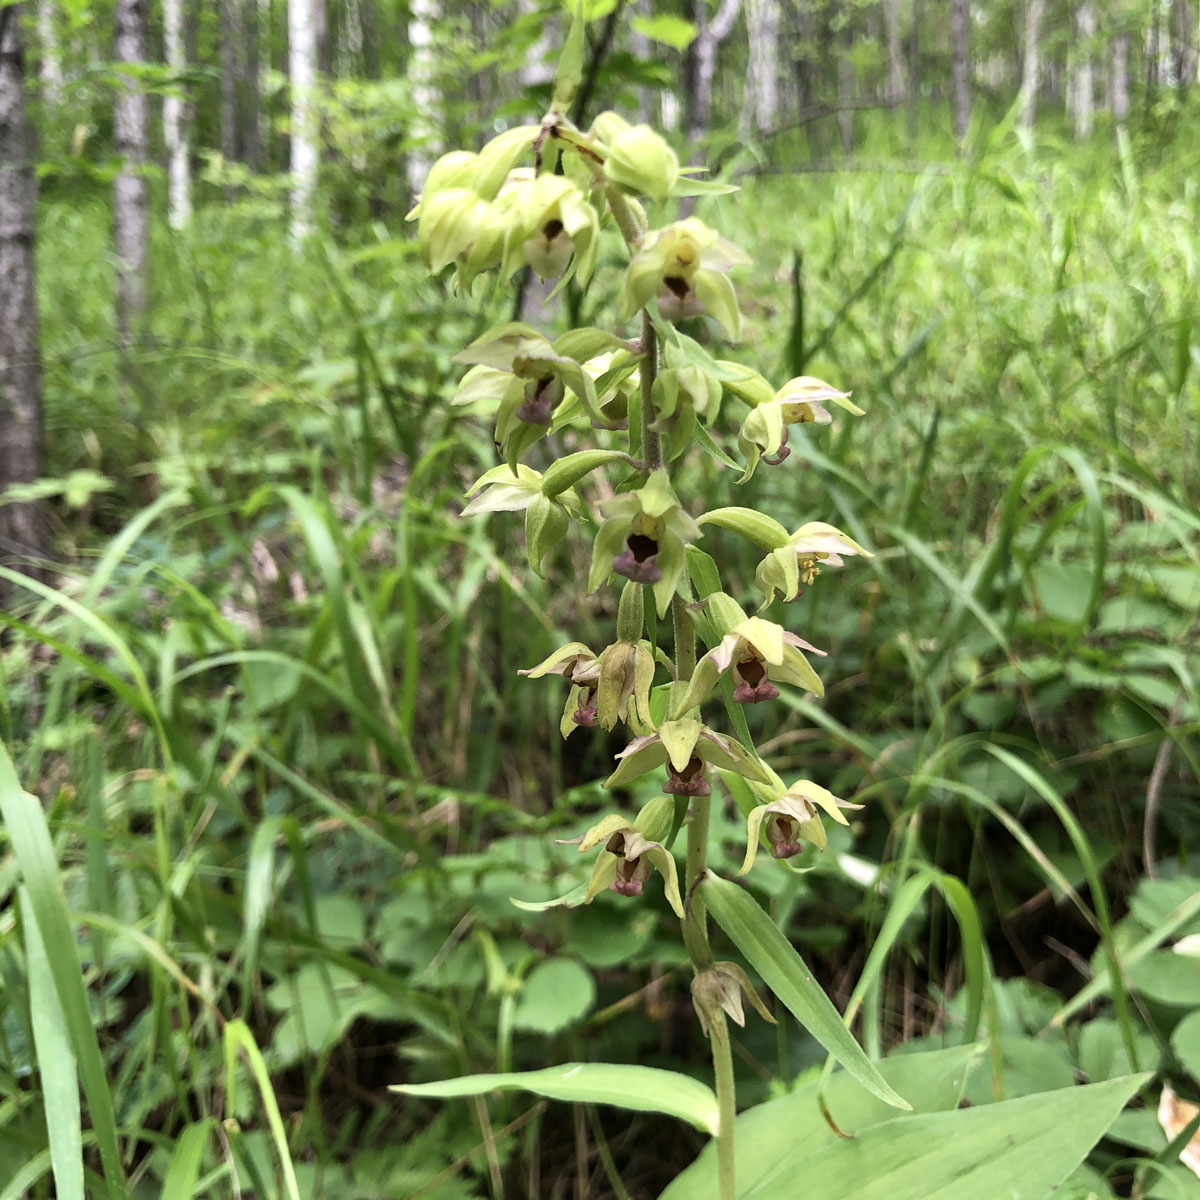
[[627, 860], [641, 163], [549, 221], [813, 546], [578, 664], [682, 267], [687, 746], [644, 539], [800, 401], [790, 819], [758, 655], [680, 395]]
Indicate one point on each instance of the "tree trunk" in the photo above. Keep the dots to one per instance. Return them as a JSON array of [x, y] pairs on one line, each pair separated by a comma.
[[1120, 78], [960, 18], [302, 75], [914, 72], [131, 208], [249, 79], [760, 106], [175, 120], [22, 449], [230, 40], [845, 93], [1031, 69], [891, 26], [709, 36], [1183, 35], [50, 67], [423, 16], [1083, 83]]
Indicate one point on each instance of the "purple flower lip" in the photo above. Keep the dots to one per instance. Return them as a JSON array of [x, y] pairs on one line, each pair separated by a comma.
[[688, 782], [639, 560], [784, 835]]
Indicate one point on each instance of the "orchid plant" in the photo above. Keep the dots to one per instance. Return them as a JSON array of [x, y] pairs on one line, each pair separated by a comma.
[[541, 196]]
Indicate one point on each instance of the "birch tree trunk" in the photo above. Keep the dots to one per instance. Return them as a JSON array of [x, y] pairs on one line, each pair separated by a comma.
[[423, 94], [1120, 78], [131, 208], [760, 107], [961, 50], [1031, 70], [1083, 84], [891, 26], [22, 454], [50, 67], [302, 75], [175, 110], [709, 36], [1183, 29], [230, 39]]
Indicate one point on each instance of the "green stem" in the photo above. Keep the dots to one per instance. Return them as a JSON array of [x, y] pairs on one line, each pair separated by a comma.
[[726, 1105], [695, 919], [648, 371]]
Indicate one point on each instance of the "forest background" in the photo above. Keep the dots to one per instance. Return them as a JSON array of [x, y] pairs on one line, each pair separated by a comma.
[[261, 676]]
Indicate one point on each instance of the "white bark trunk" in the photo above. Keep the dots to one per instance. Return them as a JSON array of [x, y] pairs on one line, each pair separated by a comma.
[[131, 205], [760, 108], [1032, 68], [1120, 77], [422, 77], [175, 132], [960, 39], [22, 526], [709, 35], [891, 25], [1084, 87], [302, 75], [50, 67]]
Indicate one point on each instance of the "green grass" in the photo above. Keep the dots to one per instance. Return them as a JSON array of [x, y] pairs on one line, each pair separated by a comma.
[[290, 778]]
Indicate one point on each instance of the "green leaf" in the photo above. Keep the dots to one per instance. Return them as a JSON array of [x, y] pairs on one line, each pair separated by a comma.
[[784, 972], [1021, 1149], [770, 1131], [179, 1183], [56, 1065], [29, 835], [556, 994], [1185, 1042], [642, 1089], [570, 65], [572, 899], [666, 29]]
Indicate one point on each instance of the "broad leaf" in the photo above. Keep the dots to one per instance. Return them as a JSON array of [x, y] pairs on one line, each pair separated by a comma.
[[644, 1089], [784, 972], [1021, 1149]]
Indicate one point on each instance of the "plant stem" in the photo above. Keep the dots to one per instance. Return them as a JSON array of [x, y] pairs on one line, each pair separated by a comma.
[[648, 371], [726, 1104]]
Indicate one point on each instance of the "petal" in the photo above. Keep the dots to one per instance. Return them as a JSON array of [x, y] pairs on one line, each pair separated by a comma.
[[753, 834], [823, 799], [716, 293], [604, 829], [665, 862], [603, 875], [703, 680], [679, 739], [797, 670], [764, 636], [641, 755], [560, 661]]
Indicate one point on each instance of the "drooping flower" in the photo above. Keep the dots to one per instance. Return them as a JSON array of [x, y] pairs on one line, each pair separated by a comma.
[[800, 401], [720, 988], [792, 819], [644, 539], [758, 655], [810, 548], [627, 860], [549, 220], [683, 267], [577, 663], [641, 163], [686, 746]]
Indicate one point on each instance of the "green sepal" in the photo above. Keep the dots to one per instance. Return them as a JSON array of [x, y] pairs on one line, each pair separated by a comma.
[[500, 155], [716, 293], [654, 820], [568, 471], [746, 384], [582, 344], [765, 532], [546, 525]]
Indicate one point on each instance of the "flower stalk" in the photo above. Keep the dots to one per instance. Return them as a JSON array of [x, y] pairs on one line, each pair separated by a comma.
[[488, 211]]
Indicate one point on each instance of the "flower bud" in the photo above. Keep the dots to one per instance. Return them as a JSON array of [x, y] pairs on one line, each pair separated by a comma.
[[640, 162]]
